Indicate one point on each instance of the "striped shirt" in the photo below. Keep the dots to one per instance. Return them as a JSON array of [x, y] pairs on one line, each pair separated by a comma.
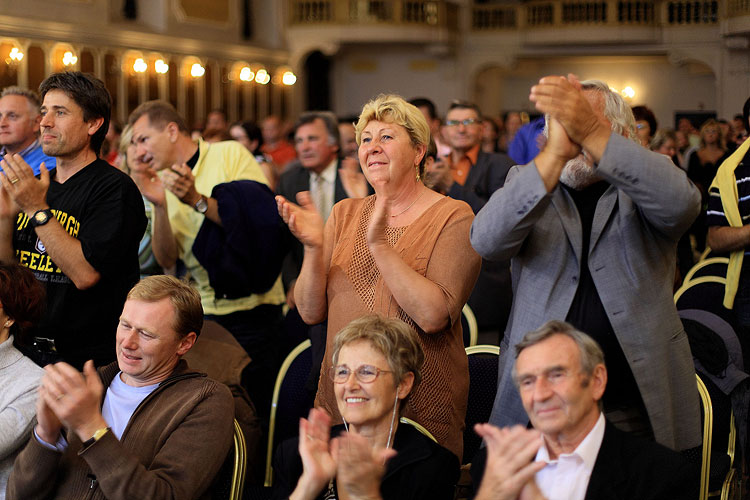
[[715, 214]]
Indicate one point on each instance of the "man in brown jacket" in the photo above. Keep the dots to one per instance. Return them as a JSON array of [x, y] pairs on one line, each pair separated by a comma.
[[144, 427]]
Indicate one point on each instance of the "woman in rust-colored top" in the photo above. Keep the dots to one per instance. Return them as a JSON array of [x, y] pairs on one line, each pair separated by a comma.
[[403, 252]]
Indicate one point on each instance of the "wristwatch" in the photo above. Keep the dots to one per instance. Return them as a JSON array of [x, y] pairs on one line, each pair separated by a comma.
[[201, 205], [41, 217], [96, 437]]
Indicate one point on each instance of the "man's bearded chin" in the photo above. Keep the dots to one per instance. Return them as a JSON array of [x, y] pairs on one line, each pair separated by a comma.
[[578, 174]]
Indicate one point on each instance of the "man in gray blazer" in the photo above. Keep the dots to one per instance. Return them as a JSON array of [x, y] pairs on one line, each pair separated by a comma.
[[591, 226]]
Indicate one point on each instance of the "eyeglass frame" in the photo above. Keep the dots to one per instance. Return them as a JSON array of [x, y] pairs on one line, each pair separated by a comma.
[[465, 122], [378, 371]]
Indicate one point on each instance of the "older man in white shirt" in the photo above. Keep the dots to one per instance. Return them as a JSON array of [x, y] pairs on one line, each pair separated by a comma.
[[572, 453]]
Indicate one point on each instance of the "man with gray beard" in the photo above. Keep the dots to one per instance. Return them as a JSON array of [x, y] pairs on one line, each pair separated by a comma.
[[591, 225]]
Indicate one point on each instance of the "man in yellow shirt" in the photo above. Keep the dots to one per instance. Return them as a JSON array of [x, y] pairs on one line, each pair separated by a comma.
[[177, 176]]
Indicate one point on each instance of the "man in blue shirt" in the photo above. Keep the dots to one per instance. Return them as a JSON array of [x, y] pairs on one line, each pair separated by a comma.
[[19, 127]]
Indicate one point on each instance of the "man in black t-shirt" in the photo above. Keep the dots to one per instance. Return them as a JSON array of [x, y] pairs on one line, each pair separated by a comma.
[[77, 227]]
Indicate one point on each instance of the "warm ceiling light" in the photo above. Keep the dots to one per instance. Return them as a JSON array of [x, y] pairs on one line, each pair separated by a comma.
[[161, 67], [628, 92], [69, 59], [140, 66], [288, 78], [246, 74], [15, 54], [196, 70], [262, 77]]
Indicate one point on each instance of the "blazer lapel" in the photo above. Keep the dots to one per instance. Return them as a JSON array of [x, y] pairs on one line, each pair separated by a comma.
[[571, 221], [602, 214], [604, 481]]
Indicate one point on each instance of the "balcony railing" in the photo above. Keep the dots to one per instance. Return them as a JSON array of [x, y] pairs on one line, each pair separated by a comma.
[[562, 13], [435, 13], [736, 8]]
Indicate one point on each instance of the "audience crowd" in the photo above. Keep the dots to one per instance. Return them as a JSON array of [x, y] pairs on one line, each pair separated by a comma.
[[566, 232]]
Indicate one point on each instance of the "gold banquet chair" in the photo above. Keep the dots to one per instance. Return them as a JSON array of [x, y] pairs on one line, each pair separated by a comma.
[[230, 481], [288, 402], [729, 480], [470, 326]]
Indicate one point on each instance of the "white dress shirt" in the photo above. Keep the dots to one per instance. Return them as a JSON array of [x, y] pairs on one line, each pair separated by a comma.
[[567, 478], [323, 189]]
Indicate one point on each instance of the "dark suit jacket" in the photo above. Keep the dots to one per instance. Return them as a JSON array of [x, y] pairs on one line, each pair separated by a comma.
[[296, 178], [629, 467], [485, 177], [492, 296]]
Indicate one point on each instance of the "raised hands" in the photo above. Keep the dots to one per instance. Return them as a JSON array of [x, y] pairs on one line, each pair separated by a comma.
[[352, 178], [179, 180], [304, 220], [580, 112], [70, 398], [148, 182], [24, 191], [318, 463], [360, 468], [509, 473], [378, 222]]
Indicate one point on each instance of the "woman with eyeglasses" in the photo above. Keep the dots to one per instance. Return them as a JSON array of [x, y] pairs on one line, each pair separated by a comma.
[[376, 365], [21, 305], [403, 252]]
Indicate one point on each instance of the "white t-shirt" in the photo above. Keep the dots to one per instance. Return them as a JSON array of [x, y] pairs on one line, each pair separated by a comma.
[[121, 401]]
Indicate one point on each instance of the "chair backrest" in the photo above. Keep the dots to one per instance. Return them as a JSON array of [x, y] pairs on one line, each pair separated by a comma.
[[708, 415], [719, 440], [230, 481], [470, 326], [289, 402], [482, 388], [419, 427], [715, 266], [705, 293]]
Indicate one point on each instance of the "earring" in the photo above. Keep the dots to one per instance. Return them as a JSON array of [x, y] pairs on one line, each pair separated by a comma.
[[419, 178]]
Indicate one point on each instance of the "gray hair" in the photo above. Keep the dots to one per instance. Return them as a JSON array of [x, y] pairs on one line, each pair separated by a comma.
[[661, 136], [327, 117], [591, 353], [32, 97], [616, 110]]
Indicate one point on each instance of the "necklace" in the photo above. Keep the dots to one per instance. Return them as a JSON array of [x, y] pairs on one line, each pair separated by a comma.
[[410, 205]]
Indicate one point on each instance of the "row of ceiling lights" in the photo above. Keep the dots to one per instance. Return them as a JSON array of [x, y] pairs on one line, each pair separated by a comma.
[[246, 74]]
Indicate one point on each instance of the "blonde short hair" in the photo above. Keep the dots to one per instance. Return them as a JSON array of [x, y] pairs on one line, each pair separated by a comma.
[[393, 338], [185, 300], [391, 108]]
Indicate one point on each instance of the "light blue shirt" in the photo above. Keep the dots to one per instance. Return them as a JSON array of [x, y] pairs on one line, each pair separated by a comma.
[[121, 401]]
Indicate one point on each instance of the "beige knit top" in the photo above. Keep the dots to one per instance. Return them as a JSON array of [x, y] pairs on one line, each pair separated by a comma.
[[437, 246]]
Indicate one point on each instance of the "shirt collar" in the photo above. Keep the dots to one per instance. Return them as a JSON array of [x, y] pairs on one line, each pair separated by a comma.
[[473, 154], [328, 173], [587, 450], [25, 150]]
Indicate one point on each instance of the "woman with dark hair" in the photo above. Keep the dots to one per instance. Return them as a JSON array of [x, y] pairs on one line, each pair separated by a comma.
[[22, 303], [249, 135]]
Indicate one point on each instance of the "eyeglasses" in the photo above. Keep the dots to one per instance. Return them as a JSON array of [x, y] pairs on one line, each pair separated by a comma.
[[365, 373], [465, 123]]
